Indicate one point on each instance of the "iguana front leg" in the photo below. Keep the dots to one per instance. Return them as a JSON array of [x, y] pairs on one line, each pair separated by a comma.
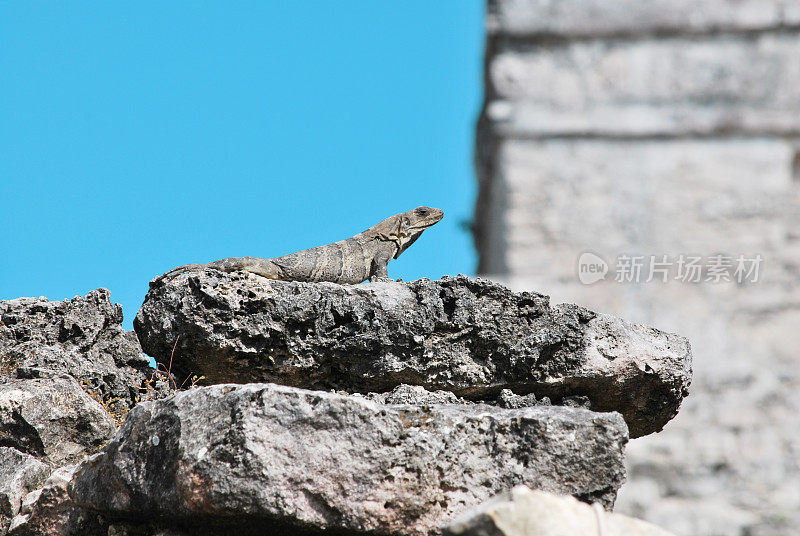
[[379, 271]]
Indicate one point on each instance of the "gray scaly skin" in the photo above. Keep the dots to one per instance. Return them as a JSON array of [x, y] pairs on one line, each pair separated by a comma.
[[363, 256]]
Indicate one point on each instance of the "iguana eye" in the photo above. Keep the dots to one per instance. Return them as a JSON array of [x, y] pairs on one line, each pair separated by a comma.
[[422, 211]]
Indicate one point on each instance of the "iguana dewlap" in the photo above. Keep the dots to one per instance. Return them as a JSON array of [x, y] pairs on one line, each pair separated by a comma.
[[363, 256]]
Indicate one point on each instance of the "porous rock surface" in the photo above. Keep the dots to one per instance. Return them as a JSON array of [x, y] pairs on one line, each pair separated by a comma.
[[46, 414], [49, 511], [19, 474], [417, 395], [82, 337], [525, 512], [468, 336], [264, 457]]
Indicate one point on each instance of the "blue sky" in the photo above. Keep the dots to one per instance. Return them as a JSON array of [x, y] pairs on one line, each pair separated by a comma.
[[136, 137]]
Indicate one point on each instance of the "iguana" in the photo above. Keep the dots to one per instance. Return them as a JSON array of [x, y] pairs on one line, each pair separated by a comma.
[[363, 256]]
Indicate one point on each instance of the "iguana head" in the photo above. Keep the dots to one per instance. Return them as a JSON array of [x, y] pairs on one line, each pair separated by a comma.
[[404, 229]]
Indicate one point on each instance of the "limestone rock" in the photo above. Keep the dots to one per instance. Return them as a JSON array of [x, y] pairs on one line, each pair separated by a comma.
[[52, 418], [597, 18], [19, 474], [526, 512], [50, 511], [651, 87], [416, 395], [264, 457], [82, 336], [508, 399], [468, 336]]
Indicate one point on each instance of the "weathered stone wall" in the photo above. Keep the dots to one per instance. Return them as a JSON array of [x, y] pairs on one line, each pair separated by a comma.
[[622, 127]]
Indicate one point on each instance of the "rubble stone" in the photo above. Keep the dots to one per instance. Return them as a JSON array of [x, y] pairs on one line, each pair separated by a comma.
[[262, 456], [51, 418], [526, 512]]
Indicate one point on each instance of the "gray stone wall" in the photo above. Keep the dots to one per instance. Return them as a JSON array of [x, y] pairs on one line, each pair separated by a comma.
[[651, 128]]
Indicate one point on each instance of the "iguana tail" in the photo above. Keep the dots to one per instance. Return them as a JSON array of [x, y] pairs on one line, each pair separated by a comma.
[[181, 269], [263, 267]]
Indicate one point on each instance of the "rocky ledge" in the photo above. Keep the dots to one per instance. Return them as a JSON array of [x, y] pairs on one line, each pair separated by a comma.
[[82, 337], [428, 398], [68, 374], [468, 336], [263, 457]]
